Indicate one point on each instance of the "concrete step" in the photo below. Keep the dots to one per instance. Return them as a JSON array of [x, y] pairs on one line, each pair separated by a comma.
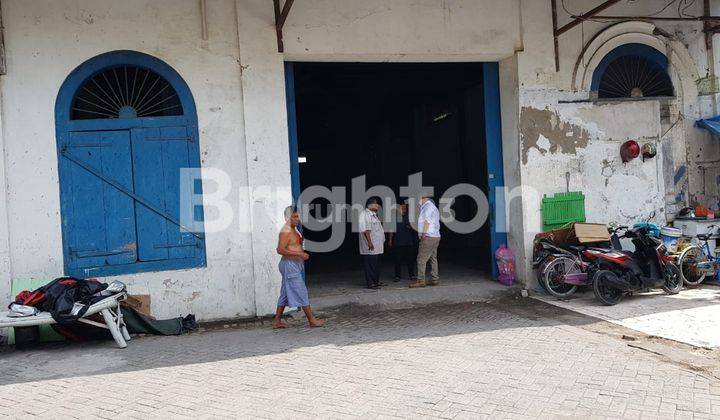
[[397, 295]]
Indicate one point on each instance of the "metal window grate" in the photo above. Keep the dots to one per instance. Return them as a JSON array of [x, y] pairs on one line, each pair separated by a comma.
[[125, 92], [632, 76]]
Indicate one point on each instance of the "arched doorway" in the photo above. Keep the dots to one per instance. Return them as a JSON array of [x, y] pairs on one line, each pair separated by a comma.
[[126, 128]]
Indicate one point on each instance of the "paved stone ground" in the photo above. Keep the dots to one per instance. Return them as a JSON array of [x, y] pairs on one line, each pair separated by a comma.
[[513, 358], [689, 317]]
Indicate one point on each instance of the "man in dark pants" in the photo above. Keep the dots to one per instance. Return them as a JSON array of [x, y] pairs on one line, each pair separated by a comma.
[[372, 241], [403, 243]]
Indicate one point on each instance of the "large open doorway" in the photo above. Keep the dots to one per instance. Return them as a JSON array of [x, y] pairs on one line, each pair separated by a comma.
[[388, 121]]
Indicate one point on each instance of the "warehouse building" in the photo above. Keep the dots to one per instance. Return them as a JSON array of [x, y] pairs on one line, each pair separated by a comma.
[[104, 102]]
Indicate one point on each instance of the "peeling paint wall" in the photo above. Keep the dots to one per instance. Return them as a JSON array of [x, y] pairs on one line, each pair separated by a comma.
[[544, 131], [563, 130], [582, 141], [585, 141]]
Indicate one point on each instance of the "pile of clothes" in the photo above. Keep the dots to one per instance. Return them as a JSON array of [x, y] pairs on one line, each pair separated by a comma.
[[68, 299]]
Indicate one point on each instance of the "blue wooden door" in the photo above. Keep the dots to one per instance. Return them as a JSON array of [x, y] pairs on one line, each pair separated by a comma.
[[292, 131], [102, 217], [496, 178], [159, 154], [126, 125]]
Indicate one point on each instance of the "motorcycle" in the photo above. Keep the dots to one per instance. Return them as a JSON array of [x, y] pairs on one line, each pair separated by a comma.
[[615, 273], [562, 268]]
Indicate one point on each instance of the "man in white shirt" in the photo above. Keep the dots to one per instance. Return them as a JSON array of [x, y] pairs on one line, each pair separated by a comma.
[[372, 240], [429, 233]]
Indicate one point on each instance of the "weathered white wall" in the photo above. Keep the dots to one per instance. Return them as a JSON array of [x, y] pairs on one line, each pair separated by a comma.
[[584, 141], [45, 40], [267, 150], [5, 268], [401, 30], [237, 78], [517, 197], [587, 136]]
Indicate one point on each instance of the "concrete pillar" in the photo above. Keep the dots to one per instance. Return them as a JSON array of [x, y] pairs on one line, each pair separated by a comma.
[[266, 143], [509, 111], [5, 266]]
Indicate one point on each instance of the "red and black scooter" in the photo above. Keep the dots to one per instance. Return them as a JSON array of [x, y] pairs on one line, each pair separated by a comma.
[[615, 273]]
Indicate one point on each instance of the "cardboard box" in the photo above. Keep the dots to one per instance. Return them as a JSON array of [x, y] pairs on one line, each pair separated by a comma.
[[587, 233], [577, 233], [140, 303]]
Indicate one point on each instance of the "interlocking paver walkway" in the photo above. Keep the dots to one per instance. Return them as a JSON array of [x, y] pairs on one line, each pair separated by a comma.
[[689, 317], [483, 360]]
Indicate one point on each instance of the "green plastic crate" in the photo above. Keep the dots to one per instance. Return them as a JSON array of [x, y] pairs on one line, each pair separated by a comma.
[[47, 333], [561, 209]]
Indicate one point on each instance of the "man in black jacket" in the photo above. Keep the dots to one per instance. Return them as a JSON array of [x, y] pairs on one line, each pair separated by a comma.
[[403, 244]]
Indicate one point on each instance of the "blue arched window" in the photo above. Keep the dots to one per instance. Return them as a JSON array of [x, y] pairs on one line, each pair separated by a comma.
[[633, 71], [126, 128]]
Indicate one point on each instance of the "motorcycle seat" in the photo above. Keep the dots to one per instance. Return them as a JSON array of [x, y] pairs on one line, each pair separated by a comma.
[[606, 250]]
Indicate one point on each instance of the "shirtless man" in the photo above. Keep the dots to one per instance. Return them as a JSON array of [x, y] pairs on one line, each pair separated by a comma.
[[293, 292]]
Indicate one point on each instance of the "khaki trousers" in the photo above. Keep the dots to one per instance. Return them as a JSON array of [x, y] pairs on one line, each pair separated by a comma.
[[428, 252]]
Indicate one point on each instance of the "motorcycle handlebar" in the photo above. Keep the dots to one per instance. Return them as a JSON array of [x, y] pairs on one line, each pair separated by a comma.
[[618, 228]]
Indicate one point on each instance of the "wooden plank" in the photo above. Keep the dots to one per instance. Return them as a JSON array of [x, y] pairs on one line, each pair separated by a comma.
[[585, 16], [555, 35], [278, 29], [285, 11], [280, 18]]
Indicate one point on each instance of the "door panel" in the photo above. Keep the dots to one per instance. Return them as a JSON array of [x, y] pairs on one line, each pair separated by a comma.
[[102, 222], [158, 156]]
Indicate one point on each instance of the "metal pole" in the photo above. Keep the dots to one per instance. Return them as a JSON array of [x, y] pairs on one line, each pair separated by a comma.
[[203, 18], [3, 63], [658, 18], [710, 52]]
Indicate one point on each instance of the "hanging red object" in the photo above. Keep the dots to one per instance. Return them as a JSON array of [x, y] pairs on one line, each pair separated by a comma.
[[629, 150]]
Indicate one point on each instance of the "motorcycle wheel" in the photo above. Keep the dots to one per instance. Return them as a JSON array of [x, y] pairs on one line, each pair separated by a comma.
[[607, 295], [673, 279], [688, 262], [541, 269], [553, 271]]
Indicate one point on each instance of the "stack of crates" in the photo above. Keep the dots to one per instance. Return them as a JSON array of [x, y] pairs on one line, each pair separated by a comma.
[[561, 209]]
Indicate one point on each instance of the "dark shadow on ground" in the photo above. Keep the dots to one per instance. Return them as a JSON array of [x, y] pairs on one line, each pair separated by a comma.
[[345, 327]]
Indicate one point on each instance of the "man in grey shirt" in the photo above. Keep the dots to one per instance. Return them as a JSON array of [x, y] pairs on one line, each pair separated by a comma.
[[372, 240]]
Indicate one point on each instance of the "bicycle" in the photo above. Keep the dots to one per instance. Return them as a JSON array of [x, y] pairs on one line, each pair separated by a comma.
[[697, 262]]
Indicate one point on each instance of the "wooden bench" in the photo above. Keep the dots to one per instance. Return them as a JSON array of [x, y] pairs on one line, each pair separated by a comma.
[[109, 308]]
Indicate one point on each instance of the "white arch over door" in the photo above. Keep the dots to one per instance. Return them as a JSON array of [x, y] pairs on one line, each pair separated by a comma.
[[681, 66]]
